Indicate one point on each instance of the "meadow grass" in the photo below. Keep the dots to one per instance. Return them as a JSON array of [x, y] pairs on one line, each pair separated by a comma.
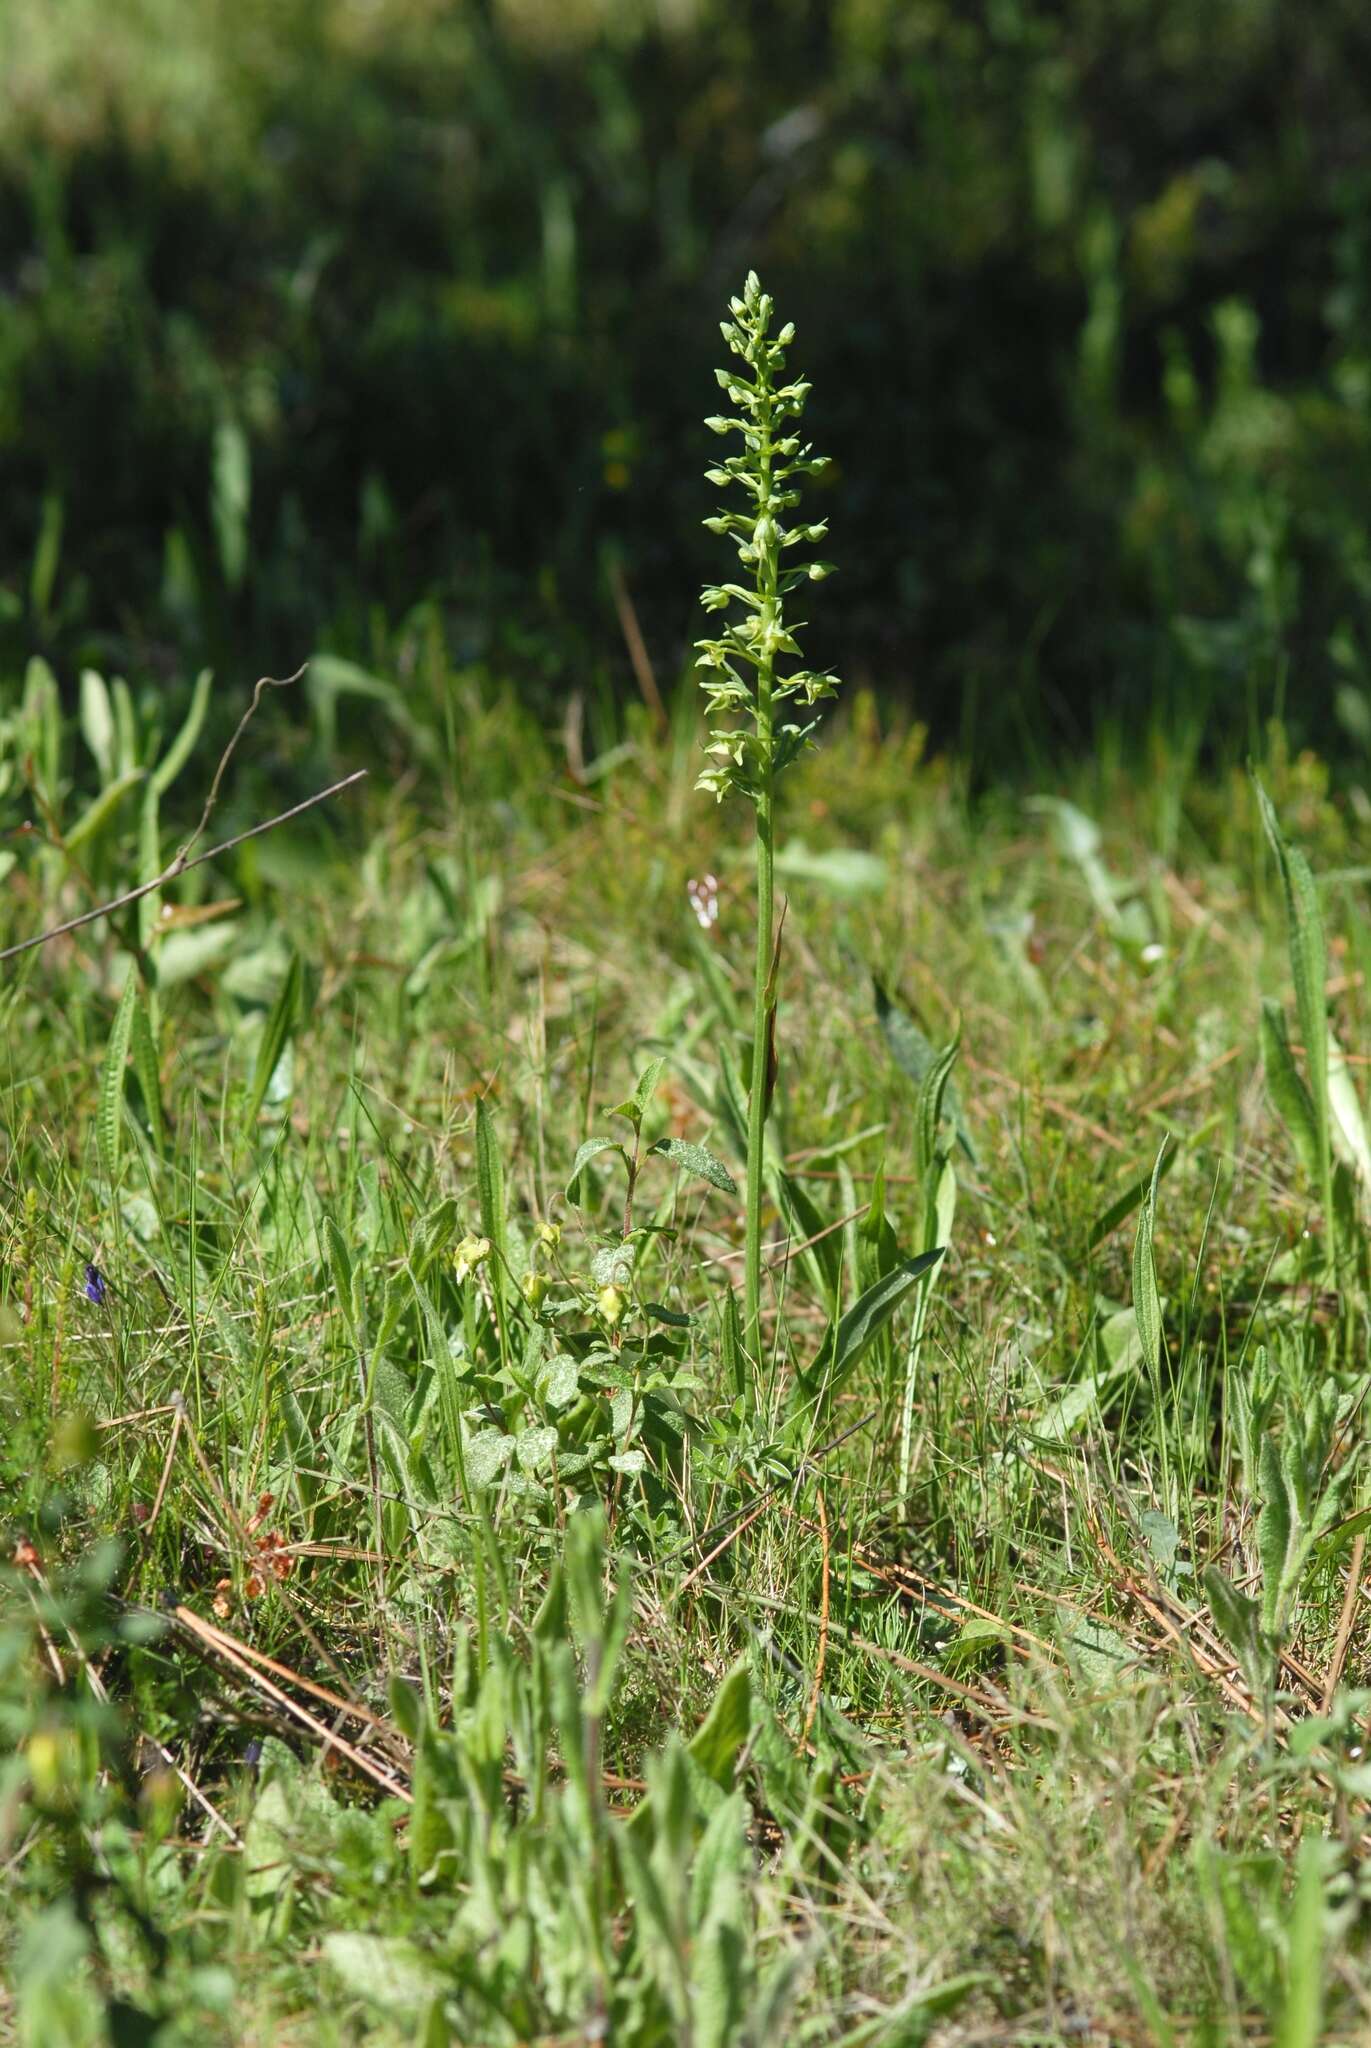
[[620, 1688]]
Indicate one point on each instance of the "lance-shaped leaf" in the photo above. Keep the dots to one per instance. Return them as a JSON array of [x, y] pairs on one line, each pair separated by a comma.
[[1147, 1307], [110, 1114], [867, 1317], [591, 1149]]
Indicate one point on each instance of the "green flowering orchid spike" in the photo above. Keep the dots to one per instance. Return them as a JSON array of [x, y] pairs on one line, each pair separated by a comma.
[[752, 669]]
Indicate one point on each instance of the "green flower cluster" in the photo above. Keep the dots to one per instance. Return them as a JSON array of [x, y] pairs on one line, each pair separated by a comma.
[[741, 677]]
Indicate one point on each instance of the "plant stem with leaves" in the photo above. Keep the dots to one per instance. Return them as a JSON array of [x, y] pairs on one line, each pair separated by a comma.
[[747, 675]]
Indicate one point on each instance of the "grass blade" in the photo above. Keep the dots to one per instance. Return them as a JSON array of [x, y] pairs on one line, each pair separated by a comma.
[[283, 1021]]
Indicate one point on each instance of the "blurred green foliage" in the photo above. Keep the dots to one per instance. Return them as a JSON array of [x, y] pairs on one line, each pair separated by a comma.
[[317, 309]]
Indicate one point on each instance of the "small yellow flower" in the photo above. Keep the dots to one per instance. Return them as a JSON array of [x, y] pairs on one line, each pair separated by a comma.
[[471, 1253], [535, 1290], [53, 1760], [610, 1303]]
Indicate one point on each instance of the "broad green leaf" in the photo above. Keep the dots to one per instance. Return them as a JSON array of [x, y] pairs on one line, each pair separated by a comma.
[[534, 1447], [1280, 1527], [385, 1970], [560, 1381], [1349, 1125], [654, 1923], [41, 728], [843, 870], [976, 1640], [716, 1878], [182, 955], [591, 1149], [1162, 1536], [1118, 1354], [942, 1208], [97, 723], [1099, 1651], [612, 1265], [181, 748], [282, 1023], [1082, 1398], [125, 726], [1078, 837], [344, 1280], [1238, 1621], [97, 815], [647, 1084], [406, 1707], [230, 494], [487, 1455], [602, 1620], [110, 1112], [695, 1160], [720, 1736], [1300, 2024], [47, 554], [720, 1963]]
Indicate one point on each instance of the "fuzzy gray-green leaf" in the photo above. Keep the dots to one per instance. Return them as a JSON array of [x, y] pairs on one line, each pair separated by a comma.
[[694, 1159]]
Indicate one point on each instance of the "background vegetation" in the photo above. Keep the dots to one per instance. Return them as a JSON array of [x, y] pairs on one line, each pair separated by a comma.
[[315, 309]]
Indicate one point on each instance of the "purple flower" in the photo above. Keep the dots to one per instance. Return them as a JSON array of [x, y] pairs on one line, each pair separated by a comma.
[[95, 1286]]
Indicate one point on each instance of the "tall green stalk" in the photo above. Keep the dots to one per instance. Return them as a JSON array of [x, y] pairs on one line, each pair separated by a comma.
[[744, 679]]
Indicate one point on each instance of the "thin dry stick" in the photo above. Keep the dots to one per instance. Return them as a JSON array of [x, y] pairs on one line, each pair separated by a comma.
[[178, 1416], [244, 1535], [263, 683], [352, 1708], [820, 1660], [179, 867], [734, 1533], [992, 1706], [191, 1621], [1349, 1608], [914, 1585]]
